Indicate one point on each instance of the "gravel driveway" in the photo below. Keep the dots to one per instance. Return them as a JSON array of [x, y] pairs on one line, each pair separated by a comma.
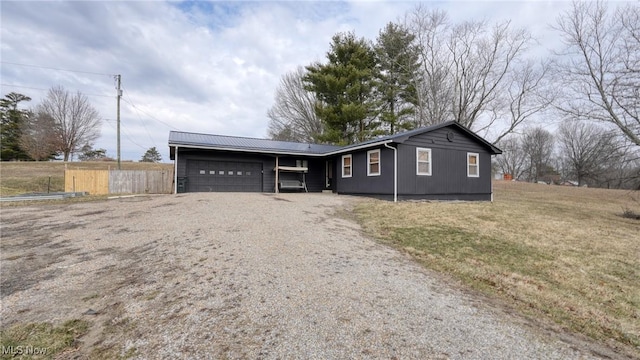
[[244, 276]]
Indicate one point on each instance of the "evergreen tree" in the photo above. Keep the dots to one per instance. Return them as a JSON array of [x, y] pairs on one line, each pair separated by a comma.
[[152, 155], [343, 89], [397, 76], [11, 121], [88, 153]]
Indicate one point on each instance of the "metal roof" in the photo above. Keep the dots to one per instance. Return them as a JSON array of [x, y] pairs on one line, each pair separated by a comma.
[[223, 142], [403, 136], [235, 143]]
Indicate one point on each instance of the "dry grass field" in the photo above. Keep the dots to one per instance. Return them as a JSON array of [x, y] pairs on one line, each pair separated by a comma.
[[559, 253], [28, 176]]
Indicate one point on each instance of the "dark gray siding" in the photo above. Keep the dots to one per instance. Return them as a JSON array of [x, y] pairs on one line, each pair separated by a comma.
[[448, 180], [448, 168], [359, 182]]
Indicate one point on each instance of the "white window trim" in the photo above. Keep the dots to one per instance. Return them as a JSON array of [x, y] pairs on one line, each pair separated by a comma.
[[418, 162], [369, 173], [477, 164], [350, 166]]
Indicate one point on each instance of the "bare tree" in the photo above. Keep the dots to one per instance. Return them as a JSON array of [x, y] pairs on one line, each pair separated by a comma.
[[600, 66], [293, 116], [77, 121], [430, 28], [39, 136], [527, 92], [512, 159], [588, 151], [622, 171], [473, 72], [537, 144]]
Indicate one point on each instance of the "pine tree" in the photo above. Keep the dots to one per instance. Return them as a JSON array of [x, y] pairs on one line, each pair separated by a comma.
[[152, 155], [11, 123], [397, 76], [343, 88]]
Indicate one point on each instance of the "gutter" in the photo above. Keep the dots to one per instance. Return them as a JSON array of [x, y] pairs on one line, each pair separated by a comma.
[[360, 147], [275, 152], [254, 151], [395, 170], [175, 170]]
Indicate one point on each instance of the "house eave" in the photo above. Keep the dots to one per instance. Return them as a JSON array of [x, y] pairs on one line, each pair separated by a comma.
[[245, 150], [355, 148]]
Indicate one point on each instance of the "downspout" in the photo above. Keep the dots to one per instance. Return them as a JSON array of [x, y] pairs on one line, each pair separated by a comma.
[[277, 174], [395, 171], [175, 171]]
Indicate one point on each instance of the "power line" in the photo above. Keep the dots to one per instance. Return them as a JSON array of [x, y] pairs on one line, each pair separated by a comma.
[[144, 124], [58, 69], [35, 88], [149, 115], [126, 135]]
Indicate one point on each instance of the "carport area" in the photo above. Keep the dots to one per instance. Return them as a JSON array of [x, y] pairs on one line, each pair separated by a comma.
[[242, 275]]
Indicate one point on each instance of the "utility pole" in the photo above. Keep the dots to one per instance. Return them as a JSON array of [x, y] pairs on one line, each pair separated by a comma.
[[119, 95]]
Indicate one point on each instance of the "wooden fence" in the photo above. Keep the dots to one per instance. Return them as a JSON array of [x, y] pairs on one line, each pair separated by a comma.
[[101, 182]]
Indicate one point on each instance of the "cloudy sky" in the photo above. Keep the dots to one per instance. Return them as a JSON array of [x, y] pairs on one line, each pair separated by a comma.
[[209, 67]]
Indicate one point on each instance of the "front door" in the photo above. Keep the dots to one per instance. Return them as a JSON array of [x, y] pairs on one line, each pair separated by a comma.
[[328, 166]]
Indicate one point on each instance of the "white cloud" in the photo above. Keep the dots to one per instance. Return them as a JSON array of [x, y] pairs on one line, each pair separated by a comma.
[[209, 67]]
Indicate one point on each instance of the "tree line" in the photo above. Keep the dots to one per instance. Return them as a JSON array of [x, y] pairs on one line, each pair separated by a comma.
[[579, 154], [425, 69], [62, 124]]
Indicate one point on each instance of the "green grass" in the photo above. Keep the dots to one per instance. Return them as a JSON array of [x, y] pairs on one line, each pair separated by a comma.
[[564, 254], [44, 340]]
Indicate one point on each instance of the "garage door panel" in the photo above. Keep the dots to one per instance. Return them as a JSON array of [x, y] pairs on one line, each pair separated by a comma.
[[223, 176]]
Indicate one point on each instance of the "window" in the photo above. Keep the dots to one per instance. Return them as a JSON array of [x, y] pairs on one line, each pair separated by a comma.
[[346, 166], [220, 172], [212, 172], [230, 172], [473, 166], [373, 161], [423, 161]]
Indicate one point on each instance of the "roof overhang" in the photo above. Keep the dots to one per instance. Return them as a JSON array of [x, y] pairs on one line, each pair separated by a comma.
[[277, 152], [245, 150], [360, 147]]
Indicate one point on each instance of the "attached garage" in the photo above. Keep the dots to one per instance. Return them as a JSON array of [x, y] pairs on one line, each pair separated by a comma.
[[219, 163], [223, 176]]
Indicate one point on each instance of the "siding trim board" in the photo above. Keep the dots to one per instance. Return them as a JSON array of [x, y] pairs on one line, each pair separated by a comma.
[[396, 158]]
